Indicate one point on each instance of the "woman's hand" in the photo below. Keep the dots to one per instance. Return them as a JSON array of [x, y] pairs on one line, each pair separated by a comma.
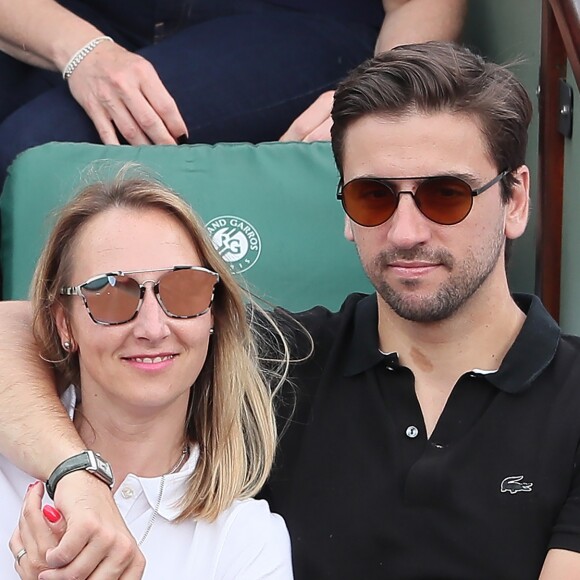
[[38, 530], [121, 92], [97, 543], [89, 540], [314, 124]]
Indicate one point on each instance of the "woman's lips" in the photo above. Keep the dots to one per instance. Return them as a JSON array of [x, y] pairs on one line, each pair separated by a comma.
[[150, 361]]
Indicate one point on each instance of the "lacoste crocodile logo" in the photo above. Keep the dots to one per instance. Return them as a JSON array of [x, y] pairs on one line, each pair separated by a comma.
[[514, 483]]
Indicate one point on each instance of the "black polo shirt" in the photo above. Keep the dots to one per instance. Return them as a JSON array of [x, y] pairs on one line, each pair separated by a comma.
[[366, 495]]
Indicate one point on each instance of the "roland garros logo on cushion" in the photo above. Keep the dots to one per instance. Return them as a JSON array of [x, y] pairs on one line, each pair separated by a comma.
[[236, 240]]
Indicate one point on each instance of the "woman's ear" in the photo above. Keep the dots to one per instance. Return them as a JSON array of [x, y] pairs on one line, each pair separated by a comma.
[[63, 328]]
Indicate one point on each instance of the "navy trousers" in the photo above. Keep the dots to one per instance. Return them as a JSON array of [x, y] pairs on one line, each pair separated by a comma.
[[239, 70]]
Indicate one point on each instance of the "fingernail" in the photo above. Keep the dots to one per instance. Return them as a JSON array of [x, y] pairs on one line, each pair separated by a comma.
[[182, 140], [51, 514], [31, 486]]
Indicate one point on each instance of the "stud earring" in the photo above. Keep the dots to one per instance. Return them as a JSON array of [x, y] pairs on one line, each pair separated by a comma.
[[66, 345], [211, 330]]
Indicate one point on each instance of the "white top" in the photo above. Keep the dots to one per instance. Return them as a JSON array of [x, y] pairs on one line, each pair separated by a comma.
[[246, 542]]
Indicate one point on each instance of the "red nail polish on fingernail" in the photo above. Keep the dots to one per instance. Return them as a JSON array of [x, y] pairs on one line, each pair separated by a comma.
[[51, 514]]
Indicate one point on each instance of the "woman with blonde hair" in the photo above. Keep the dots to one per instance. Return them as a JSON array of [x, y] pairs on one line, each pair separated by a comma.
[[159, 366]]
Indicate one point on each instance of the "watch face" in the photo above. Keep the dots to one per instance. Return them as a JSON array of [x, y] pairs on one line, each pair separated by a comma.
[[103, 466]]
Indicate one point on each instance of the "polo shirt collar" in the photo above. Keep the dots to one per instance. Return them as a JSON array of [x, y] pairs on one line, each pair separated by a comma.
[[532, 351], [174, 488], [362, 351]]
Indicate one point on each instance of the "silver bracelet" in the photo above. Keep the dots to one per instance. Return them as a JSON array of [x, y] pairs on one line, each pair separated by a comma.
[[78, 56]]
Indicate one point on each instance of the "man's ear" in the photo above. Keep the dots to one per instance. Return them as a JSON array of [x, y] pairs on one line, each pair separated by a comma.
[[518, 207], [348, 229]]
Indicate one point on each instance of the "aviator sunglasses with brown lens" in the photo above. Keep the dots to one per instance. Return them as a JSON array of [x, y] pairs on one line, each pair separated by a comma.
[[444, 199], [116, 297]]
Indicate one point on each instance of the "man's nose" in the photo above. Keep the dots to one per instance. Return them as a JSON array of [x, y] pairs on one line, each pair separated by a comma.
[[408, 226]]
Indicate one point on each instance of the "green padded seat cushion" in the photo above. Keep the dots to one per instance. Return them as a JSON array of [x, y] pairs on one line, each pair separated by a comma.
[[271, 210]]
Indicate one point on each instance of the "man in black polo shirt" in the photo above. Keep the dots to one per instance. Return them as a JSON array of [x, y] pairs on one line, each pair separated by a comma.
[[437, 423], [435, 428]]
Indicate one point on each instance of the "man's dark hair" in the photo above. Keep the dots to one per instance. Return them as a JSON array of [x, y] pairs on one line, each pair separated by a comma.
[[439, 77]]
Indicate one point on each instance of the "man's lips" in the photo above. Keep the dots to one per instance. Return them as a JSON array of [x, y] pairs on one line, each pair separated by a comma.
[[413, 264], [413, 268]]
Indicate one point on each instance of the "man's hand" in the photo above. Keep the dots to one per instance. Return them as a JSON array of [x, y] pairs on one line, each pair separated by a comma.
[[314, 124], [121, 91], [96, 544]]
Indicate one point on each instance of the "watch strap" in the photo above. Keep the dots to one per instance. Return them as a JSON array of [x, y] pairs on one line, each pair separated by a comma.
[[87, 460]]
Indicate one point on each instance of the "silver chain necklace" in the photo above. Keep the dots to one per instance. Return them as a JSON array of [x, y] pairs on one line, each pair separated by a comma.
[[180, 462]]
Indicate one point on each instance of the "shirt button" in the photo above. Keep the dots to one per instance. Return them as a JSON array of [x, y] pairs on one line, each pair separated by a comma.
[[127, 492], [412, 432]]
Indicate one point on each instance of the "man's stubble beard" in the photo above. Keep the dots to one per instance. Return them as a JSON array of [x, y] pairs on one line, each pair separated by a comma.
[[465, 279]]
